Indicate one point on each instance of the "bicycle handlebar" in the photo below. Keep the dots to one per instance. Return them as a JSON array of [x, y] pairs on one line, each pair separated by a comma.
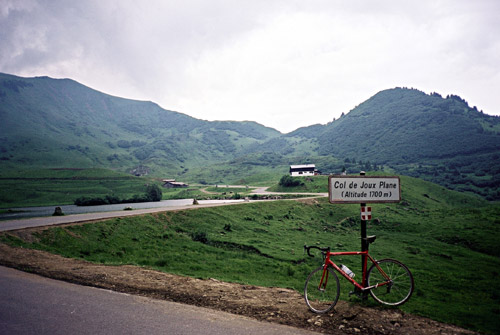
[[323, 250]]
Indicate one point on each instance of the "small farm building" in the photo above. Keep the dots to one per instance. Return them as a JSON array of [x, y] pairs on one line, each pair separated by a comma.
[[171, 183], [303, 170]]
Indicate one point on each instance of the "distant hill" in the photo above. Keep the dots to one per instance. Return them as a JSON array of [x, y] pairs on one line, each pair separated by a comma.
[[61, 123], [440, 139], [398, 126], [443, 140], [53, 123]]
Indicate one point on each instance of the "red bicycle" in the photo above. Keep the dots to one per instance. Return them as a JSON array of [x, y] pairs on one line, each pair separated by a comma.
[[389, 281]]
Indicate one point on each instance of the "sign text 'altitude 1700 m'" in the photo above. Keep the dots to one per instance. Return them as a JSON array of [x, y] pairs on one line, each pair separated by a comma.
[[363, 189]]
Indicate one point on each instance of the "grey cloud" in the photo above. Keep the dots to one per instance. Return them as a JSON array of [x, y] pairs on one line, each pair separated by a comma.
[[136, 39], [161, 48]]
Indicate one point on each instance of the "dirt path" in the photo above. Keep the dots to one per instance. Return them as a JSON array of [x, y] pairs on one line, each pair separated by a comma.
[[278, 305], [204, 190]]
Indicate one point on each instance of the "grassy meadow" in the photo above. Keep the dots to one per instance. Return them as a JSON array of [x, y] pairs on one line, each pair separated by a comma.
[[45, 187], [447, 239]]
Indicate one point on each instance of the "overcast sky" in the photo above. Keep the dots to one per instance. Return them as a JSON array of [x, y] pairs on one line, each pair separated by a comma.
[[285, 64]]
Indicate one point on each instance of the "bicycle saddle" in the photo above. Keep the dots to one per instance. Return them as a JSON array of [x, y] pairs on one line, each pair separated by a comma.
[[370, 239]]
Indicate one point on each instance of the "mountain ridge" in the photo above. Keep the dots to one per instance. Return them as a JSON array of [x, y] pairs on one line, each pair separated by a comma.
[[49, 123], [438, 119], [43, 109]]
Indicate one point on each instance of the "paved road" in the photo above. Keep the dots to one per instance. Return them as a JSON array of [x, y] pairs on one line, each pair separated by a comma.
[[31, 304], [55, 220], [7, 225]]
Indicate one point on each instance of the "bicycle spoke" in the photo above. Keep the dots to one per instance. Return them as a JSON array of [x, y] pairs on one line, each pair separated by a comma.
[[321, 291], [400, 288]]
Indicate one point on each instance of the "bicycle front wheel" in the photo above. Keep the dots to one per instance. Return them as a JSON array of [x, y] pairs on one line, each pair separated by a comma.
[[322, 295], [401, 285]]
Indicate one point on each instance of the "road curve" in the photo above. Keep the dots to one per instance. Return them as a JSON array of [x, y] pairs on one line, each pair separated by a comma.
[[76, 218], [6, 225]]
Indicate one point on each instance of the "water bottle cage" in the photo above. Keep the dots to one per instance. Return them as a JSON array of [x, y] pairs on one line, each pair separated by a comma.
[[347, 270]]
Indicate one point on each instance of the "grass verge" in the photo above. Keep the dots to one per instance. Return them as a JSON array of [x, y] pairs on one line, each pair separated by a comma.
[[447, 239]]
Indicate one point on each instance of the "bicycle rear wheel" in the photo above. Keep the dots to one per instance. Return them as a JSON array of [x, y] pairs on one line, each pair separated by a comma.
[[399, 290], [322, 299]]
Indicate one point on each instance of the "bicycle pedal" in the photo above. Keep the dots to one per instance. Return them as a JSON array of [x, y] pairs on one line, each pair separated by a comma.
[[357, 293]]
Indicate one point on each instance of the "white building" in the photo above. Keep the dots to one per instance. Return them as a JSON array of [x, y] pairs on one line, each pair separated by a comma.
[[303, 170]]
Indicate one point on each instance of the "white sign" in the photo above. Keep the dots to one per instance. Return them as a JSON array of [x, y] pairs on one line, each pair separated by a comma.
[[363, 189]]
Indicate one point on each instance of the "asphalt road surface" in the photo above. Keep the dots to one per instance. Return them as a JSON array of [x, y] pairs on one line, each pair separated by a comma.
[[30, 304], [7, 225]]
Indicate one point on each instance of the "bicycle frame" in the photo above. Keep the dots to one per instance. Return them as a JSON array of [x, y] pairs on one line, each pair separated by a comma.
[[366, 256]]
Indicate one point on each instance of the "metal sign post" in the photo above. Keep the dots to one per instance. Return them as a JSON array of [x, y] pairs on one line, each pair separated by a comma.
[[364, 244], [363, 189]]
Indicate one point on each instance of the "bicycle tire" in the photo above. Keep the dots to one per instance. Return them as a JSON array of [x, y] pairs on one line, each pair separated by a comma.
[[402, 285], [321, 300]]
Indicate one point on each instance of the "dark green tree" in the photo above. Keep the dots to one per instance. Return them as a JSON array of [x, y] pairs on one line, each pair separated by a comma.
[[153, 193], [289, 181]]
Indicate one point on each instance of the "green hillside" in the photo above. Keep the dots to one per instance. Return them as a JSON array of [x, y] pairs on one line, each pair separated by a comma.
[[49, 123], [448, 240], [426, 136], [45, 187], [398, 126]]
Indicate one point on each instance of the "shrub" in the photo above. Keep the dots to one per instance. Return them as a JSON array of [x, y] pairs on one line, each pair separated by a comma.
[[112, 199], [85, 201], [153, 193], [123, 144], [289, 181], [200, 236]]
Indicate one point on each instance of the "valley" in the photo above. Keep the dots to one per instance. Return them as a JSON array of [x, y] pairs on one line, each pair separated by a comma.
[[58, 123], [60, 141]]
